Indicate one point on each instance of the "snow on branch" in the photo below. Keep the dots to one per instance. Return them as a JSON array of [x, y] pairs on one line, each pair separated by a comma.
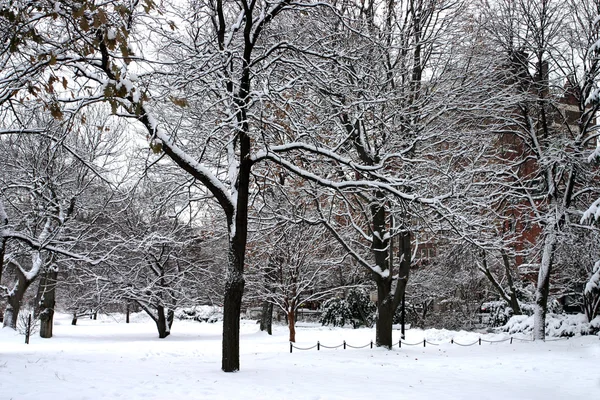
[[594, 283], [51, 248], [592, 213], [20, 131], [3, 215], [197, 170], [327, 153], [365, 184]]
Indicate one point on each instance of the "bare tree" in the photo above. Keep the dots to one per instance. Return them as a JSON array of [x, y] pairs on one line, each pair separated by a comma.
[[544, 125]]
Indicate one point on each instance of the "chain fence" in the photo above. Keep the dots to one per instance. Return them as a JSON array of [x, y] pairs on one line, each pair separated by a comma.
[[424, 342]]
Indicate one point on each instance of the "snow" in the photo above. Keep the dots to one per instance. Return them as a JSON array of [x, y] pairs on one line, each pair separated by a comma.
[[592, 213], [108, 359], [384, 274], [111, 34], [200, 313], [560, 325], [3, 215], [594, 282], [36, 265], [128, 84], [199, 168]]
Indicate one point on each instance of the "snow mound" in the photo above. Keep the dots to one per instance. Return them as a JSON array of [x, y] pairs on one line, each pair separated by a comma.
[[557, 325], [200, 313]]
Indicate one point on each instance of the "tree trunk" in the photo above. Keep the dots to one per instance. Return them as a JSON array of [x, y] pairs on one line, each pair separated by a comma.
[[170, 318], [232, 304], [387, 301], [292, 324], [266, 317], [47, 300], [127, 313], [11, 315], [164, 321], [2, 251], [380, 247], [74, 320], [385, 317], [3, 223], [514, 301], [543, 286], [234, 289]]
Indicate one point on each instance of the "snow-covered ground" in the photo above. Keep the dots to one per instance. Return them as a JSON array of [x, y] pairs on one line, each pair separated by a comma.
[[108, 359]]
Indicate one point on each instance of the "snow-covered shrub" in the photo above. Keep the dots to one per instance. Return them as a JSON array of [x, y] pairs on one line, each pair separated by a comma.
[[557, 325], [499, 312], [336, 312], [409, 318], [357, 309], [362, 308], [209, 314], [591, 293]]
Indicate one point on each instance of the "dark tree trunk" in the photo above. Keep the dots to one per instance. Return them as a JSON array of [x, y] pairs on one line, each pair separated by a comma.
[[388, 302], [403, 317], [385, 315], [164, 322], [74, 320], [514, 301], [47, 300], [381, 253], [3, 223], [127, 313], [11, 314], [234, 287], [266, 317], [2, 253], [234, 290]]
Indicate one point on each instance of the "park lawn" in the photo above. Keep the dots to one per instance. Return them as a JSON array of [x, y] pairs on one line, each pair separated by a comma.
[[108, 359]]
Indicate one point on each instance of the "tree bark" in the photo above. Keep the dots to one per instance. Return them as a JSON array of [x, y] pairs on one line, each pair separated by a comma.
[[164, 321], [161, 323], [14, 300], [234, 289], [47, 301], [3, 223], [2, 253], [385, 315], [74, 320], [238, 232], [379, 247], [514, 301], [292, 324], [543, 286], [266, 317]]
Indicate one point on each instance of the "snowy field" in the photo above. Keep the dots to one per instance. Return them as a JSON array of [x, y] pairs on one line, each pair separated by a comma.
[[108, 359]]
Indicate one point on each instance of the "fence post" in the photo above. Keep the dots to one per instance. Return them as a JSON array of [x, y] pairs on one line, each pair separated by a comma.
[[318, 346], [344, 345], [511, 340], [28, 329], [400, 343], [480, 341], [291, 347], [452, 341], [424, 341], [371, 344]]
